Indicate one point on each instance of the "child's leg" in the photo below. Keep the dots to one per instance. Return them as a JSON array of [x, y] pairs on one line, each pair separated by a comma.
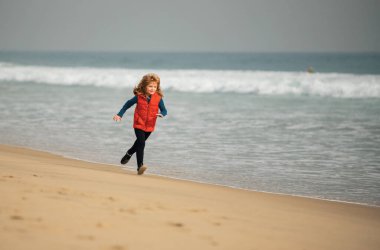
[[139, 145], [133, 149]]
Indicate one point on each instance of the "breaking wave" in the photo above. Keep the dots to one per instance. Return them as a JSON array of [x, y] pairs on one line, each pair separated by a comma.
[[204, 81]]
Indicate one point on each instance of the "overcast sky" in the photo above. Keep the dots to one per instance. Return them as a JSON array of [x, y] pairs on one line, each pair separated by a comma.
[[192, 25]]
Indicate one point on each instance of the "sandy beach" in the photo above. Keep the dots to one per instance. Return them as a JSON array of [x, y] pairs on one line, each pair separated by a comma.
[[51, 202]]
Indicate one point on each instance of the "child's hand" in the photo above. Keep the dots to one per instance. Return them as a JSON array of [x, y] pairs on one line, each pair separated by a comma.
[[116, 118], [160, 115]]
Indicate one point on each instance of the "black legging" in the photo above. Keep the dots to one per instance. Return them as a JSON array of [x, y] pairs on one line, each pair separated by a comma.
[[139, 145]]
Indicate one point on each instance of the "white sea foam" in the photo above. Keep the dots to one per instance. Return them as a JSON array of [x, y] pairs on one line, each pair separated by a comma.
[[258, 82]]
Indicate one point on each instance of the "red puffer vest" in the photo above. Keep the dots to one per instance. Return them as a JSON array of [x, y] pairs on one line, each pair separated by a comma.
[[146, 113]]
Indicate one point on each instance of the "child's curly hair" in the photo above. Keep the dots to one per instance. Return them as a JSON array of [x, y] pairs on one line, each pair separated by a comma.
[[148, 78]]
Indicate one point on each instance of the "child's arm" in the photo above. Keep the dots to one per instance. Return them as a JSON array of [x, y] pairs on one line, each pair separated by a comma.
[[163, 111], [126, 106]]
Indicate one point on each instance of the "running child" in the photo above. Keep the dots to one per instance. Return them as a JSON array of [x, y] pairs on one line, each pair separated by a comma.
[[148, 97]]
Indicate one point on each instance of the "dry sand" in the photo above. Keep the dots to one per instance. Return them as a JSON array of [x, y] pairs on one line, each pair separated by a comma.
[[50, 202]]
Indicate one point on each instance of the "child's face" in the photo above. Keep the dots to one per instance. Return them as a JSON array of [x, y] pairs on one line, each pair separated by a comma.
[[151, 88]]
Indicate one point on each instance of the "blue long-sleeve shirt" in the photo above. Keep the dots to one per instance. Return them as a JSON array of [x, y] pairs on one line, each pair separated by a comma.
[[133, 101]]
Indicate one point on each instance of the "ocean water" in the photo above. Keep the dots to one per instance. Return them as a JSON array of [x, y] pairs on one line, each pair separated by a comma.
[[252, 121]]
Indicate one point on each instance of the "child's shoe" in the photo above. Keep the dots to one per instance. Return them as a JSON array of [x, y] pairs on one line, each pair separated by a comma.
[[141, 169], [125, 159]]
